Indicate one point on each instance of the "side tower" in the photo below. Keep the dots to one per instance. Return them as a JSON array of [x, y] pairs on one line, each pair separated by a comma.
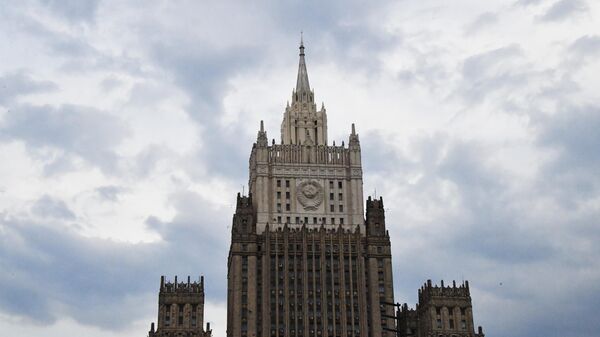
[[441, 311], [180, 310], [303, 260]]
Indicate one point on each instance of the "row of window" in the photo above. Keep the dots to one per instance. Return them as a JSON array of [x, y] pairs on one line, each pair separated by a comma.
[[438, 310], [463, 324], [315, 220], [331, 184]]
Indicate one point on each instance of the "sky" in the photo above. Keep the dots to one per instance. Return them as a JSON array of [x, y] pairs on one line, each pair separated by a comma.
[[126, 128]]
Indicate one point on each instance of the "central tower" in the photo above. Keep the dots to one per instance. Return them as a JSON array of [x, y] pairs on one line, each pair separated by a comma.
[[303, 259]]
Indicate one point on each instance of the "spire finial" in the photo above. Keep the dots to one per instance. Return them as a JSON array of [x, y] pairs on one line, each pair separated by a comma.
[[302, 86], [301, 44]]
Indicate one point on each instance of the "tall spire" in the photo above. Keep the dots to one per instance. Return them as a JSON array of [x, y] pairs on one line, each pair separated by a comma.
[[302, 82]]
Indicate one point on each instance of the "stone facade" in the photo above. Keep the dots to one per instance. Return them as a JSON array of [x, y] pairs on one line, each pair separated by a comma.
[[180, 310], [443, 311]]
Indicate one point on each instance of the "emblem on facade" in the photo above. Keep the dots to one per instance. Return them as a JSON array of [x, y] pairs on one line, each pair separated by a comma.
[[310, 194]]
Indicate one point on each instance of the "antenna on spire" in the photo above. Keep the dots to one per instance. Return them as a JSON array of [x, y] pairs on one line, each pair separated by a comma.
[[262, 126], [243, 190], [301, 44]]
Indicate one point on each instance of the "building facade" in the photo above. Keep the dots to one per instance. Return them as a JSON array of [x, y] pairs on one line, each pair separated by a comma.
[[303, 259], [180, 310]]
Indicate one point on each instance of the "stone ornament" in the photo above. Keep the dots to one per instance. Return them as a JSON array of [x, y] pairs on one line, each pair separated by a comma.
[[310, 194]]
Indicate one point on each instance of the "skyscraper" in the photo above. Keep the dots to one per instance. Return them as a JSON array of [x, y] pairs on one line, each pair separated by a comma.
[[304, 260]]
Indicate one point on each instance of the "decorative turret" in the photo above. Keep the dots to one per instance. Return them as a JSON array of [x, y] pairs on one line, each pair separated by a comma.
[[261, 138], [375, 217], [180, 309], [353, 141], [441, 311], [244, 218]]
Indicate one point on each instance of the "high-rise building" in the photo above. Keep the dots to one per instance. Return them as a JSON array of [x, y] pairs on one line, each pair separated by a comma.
[[180, 310], [303, 259]]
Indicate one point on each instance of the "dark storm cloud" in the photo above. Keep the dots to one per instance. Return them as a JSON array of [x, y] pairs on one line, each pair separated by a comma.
[[52, 272], [81, 131], [563, 9]]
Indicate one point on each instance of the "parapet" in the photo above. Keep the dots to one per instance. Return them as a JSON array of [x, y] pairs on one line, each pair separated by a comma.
[[428, 291], [374, 203], [196, 287], [244, 201]]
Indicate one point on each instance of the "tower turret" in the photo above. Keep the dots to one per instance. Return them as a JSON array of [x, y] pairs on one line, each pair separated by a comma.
[[301, 119]]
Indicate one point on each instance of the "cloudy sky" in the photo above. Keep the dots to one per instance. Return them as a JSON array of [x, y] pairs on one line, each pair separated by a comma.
[[126, 126]]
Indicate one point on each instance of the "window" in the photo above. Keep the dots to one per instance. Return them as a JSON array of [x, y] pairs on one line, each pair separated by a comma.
[[330, 196], [315, 220], [297, 219], [341, 221], [278, 207], [288, 220], [340, 197], [287, 195], [287, 183], [278, 194], [339, 184], [278, 219], [278, 183], [331, 184], [341, 208], [463, 324], [333, 221], [332, 208], [287, 207], [439, 323], [305, 219], [451, 322]]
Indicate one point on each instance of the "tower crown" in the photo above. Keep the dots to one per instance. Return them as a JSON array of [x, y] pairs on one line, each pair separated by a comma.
[[302, 123]]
